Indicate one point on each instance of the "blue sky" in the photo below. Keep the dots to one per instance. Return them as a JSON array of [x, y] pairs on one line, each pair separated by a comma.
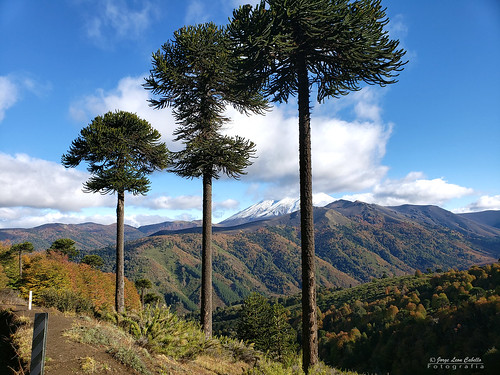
[[432, 138]]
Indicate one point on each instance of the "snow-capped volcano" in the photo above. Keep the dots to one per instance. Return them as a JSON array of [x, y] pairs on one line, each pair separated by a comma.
[[270, 208]]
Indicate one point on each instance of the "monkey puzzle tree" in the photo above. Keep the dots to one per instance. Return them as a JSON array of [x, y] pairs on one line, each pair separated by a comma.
[[93, 260], [142, 285], [121, 149], [287, 46], [193, 74], [26, 247], [65, 246]]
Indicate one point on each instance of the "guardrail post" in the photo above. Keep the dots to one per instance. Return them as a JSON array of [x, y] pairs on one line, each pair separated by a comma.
[[39, 343]]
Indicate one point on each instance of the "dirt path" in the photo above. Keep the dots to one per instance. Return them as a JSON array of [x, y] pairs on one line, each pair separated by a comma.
[[63, 356], [67, 357]]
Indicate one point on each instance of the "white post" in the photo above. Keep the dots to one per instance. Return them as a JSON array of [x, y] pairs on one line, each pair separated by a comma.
[[30, 299]]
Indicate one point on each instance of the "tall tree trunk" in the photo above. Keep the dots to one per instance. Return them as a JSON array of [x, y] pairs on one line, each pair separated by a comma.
[[309, 319], [206, 258], [120, 258], [20, 265]]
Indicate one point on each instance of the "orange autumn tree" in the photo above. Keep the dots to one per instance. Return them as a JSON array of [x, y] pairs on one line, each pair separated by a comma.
[[55, 272]]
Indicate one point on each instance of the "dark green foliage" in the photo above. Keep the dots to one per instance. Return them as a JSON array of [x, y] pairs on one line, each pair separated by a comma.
[[194, 75], [151, 299], [391, 325], [267, 327], [342, 43], [20, 248], [428, 316], [283, 48], [142, 285], [198, 56], [93, 260], [121, 149], [65, 300], [65, 246], [26, 247], [214, 155]]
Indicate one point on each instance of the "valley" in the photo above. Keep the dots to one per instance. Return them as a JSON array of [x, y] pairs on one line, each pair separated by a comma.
[[355, 242]]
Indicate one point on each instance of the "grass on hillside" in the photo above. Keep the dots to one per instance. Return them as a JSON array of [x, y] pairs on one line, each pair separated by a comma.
[[156, 341]]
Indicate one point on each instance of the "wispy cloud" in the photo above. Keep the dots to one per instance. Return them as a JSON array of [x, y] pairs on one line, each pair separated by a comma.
[[398, 29], [196, 13], [8, 95], [14, 85], [117, 19]]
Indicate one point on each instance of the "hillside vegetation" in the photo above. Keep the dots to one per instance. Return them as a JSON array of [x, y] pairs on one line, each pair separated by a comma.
[[56, 281], [363, 242], [402, 325], [146, 340]]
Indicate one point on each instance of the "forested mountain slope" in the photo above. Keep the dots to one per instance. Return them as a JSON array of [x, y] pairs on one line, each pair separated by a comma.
[[352, 246], [401, 325]]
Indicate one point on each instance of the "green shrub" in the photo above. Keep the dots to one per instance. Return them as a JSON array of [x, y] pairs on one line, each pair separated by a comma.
[[239, 350], [65, 300], [161, 331]]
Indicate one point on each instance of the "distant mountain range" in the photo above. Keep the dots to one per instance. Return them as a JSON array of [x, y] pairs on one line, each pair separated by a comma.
[[92, 235], [355, 242], [86, 235], [258, 249]]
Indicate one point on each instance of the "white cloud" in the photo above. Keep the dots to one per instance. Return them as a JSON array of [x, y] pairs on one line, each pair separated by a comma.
[[129, 95], [346, 156], [366, 105], [116, 19], [20, 217], [196, 13], [412, 189], [13, 86], [37, 183], [484, 203], [182, 202], [8, 95]]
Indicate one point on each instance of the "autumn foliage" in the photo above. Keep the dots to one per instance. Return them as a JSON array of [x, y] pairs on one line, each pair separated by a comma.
[[43, 272]]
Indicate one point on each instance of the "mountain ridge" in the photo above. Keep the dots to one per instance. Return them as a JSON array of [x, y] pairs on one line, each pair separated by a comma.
[[270, 208], [91, 235], [355, 244]]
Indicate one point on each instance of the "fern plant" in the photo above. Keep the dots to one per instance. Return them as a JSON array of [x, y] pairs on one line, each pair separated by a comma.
[[160, 330]]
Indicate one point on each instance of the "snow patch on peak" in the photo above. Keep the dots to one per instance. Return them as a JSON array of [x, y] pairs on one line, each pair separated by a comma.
[[271, 208], [322, 199]]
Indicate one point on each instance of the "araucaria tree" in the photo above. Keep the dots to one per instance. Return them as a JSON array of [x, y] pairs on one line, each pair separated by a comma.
[[20, 248], [121, 149], [193, 73], [288, 46], [65, 246]]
